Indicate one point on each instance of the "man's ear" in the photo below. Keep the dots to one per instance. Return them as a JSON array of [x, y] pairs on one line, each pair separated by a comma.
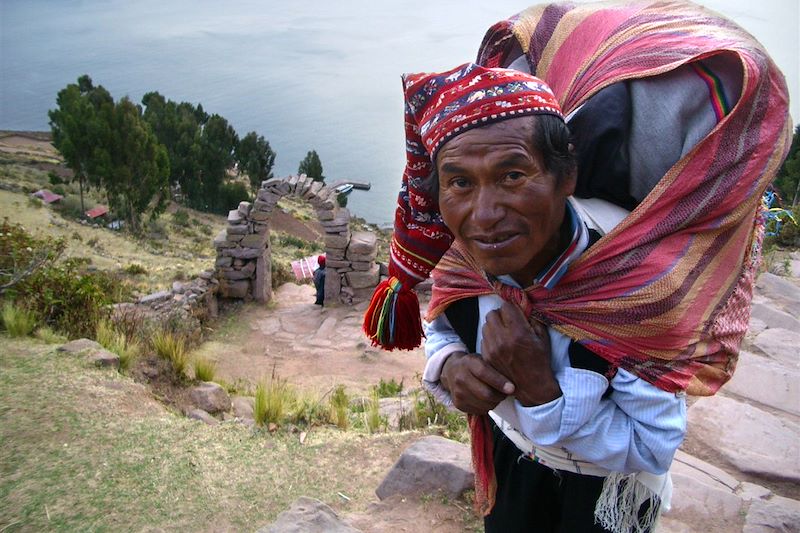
[[570, 180]]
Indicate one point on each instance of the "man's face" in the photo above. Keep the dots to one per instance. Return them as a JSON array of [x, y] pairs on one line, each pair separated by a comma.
[[500, 202]]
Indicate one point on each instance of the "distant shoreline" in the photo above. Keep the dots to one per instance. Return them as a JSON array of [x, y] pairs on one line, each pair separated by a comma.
[[35, 135]]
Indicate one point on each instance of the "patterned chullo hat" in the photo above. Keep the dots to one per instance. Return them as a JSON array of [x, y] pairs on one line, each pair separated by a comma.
[[439, 107]]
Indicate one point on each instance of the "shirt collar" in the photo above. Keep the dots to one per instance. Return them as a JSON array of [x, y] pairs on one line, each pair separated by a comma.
[[552, 273]]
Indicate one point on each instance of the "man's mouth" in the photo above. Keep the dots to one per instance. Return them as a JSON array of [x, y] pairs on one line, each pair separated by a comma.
[[495, 241]]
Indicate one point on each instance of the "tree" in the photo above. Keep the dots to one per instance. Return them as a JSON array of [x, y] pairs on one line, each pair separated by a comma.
[[788, 179], [178, 127], [255, 158], [218, 142], [78, 129], [136, 166], [311, 166]]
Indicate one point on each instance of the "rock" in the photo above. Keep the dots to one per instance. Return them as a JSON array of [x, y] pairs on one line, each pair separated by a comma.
[[361, 279], [363, 243], [221, 240], [430, 464], [241, 229], [313, 190], [394, 409], [308, 515], [202, 416], [243, 406], [223, 262], [235, 217], [778, 289], [244, 208], [692, 497], [210, 397], [244, 253], [104, 358], [79, 345], [254, 240], [325, 215], [333, 286], [775, 514], [774, 318], [780, 344], [259, 215], [235, 289], [766, 381], [155, 298], [750, 491], [703, 491], [235, 275], [742, 434], [262, 288], [337, 240]]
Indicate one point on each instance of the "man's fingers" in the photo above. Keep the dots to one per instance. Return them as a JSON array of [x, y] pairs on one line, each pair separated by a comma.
[[492, 378]]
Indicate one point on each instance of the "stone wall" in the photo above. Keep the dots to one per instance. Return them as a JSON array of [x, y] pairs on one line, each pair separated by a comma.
[[244, 263], [187, 305]]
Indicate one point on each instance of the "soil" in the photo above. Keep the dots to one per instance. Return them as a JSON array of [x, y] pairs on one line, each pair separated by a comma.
[[312, 347]]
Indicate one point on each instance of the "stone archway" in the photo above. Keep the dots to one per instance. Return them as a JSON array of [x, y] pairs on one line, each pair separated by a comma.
[[244, 262]]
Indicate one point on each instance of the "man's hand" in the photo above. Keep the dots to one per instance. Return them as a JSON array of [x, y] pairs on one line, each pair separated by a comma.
[[520, 351], [474, 386]]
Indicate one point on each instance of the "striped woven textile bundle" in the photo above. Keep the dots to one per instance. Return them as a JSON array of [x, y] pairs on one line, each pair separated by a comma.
[[667, 293]]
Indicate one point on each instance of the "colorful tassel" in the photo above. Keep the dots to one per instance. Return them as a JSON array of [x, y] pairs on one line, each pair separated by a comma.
[[393, 319]]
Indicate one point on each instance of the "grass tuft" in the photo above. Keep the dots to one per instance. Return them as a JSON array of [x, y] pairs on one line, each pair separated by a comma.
[[272, 399], [204, 368], [372, 416], [18, 321], [340, 404], [46, 334], [115, 341], [171, 347]]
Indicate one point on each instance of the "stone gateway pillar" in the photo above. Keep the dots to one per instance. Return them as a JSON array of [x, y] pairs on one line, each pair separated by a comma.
[[244, 262]]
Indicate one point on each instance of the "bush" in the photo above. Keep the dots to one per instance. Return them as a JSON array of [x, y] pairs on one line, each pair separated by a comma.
[[204, 369], [64, 295], [59, 189], [309, 409], [17, 321], [171, 347], [230, 194], [388, 389], [54, 179], [135, 269], [70, 207], [181, 218]]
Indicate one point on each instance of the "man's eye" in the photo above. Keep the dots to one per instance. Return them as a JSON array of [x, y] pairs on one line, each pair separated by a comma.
[[514, 176], [459, 183]]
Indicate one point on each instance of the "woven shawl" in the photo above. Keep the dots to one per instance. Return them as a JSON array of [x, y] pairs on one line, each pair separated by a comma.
[[666, 294]]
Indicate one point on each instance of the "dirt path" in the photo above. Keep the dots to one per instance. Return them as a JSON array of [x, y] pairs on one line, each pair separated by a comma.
[[310, 346]]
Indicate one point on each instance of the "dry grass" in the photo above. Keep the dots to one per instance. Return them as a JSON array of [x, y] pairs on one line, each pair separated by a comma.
[[204, 368], [272, 400], [171, 347], [87, 449]]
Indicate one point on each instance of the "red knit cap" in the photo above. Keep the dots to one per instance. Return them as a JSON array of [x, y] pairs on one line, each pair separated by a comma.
[[438, 107]]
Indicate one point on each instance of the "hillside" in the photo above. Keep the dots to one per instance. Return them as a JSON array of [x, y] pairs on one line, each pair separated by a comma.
[[173, 248]]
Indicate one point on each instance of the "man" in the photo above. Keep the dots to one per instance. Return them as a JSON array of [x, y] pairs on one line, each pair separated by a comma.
[[503, 192], [588, 411], [319, 280]]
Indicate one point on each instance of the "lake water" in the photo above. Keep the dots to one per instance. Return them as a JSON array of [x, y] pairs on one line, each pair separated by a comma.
[[306, 75]]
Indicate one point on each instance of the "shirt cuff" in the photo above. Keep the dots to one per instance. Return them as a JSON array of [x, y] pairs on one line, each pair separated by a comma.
[[433, 368], [433, 372]]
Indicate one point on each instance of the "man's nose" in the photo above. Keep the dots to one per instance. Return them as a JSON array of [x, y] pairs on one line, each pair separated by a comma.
[[488, 208]]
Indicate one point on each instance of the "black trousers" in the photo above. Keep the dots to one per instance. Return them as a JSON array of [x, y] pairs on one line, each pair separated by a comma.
[[535, 498]]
